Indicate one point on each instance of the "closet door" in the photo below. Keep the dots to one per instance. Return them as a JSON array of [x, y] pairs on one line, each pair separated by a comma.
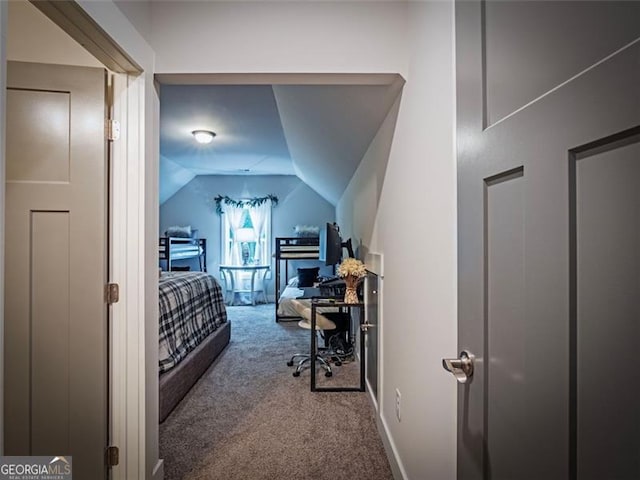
[[56, 258]]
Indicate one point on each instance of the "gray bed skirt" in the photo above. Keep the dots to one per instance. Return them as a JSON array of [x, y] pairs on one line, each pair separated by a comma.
[[175, 383]]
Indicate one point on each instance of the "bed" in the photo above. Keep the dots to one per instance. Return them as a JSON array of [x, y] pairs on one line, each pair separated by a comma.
[[286, 307], [291, 249], [182, 248], [193, 331], [289, 302]]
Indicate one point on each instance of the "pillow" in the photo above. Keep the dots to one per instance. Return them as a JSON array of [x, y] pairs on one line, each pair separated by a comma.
[[307, 234], [293, 282], [180, 268], [307, 276], [306, 231], [176, 231]]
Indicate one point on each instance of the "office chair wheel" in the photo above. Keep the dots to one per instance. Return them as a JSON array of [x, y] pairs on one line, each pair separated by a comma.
[[328, 374], [337, 363], [290, 363], [296, 374]]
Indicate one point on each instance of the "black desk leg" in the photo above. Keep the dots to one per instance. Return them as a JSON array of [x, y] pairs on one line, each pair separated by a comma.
[[362, 353], [313, 347]]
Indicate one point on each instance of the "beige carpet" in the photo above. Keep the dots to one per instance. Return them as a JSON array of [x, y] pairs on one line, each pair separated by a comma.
[[248, 418]]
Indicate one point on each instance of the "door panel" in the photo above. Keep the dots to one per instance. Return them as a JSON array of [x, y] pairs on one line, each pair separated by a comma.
[[506, 368], [43, 154], [531, 47], [519, 416], [608, 309], [49, 331], [55, 315]]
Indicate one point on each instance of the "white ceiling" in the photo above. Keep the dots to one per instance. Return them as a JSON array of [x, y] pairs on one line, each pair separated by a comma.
[[245, 119], [317, 132], [329, 129]]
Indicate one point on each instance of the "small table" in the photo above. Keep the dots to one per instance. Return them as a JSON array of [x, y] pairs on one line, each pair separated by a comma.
[[324, 302], [227, 273]]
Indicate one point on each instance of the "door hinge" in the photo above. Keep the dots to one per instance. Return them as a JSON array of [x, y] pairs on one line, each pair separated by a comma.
[[113, 130], [112, 293], [113, 456]]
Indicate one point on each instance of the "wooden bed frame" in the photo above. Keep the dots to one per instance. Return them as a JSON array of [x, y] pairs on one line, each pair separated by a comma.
[[175, 383]]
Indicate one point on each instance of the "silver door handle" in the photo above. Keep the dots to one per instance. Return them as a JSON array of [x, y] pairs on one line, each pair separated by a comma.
[[366, 326], [461, 368]]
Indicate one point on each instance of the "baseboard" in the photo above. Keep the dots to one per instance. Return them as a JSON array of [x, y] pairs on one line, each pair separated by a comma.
[[374, 400], [397, 469], [158, 470]]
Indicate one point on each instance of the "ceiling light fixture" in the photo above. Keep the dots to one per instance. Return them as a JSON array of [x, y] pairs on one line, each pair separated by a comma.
[[203, 136]]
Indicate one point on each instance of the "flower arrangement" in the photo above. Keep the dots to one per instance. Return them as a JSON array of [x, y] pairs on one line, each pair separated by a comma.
[[352, 270], [353, 267]]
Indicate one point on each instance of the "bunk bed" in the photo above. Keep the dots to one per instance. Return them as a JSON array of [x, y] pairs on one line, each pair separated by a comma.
[[193, 331], [182, 248], [291, 249]]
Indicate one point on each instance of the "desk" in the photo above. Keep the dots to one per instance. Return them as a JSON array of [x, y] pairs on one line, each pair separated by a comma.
[[324, 302], [228, 274]]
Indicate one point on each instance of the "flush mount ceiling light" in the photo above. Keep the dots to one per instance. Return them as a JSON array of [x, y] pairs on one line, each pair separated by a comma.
[[203, 136]]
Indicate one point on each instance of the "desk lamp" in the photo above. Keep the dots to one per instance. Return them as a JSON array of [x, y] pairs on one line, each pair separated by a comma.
[[245, 236]]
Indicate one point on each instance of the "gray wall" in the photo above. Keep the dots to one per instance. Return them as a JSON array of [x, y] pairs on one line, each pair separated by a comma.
[[193, 205], [407, 182]]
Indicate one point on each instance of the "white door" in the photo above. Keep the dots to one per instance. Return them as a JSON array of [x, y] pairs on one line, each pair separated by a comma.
[[56, 373], [548, 133]]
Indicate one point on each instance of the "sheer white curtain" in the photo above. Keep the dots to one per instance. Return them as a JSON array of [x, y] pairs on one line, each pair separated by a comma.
[[261, 220], [232, 254]]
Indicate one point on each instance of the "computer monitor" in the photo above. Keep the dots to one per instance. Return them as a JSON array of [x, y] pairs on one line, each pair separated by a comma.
[[330, 245]]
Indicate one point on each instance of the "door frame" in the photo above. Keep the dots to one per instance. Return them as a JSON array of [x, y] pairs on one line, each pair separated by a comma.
[[127, 196]]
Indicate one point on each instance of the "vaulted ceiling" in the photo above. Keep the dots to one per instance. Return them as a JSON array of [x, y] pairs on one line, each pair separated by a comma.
[[318, 132]]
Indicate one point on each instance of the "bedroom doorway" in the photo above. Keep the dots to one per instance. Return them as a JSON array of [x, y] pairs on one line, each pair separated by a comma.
[[268, 139], [263, 124]]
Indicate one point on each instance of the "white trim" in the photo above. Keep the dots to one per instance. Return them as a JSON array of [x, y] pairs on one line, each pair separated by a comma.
[[127, 327], [246, 78], [117, 270], [135, 286], [397, 468]]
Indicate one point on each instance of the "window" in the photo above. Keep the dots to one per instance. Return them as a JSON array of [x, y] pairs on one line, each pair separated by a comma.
[[246, 235]]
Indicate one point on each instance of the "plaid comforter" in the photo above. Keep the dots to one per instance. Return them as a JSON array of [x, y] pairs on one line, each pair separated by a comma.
[[191, 307]]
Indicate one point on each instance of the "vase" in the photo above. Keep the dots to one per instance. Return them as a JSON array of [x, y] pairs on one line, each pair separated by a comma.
[[351, 296]]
